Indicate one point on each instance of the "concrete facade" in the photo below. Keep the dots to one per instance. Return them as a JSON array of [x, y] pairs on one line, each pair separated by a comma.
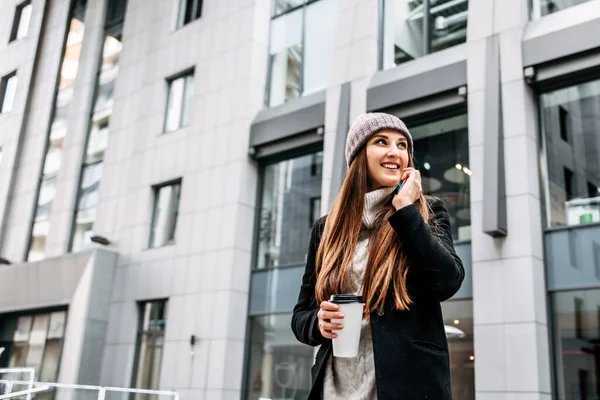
[[206, 274]]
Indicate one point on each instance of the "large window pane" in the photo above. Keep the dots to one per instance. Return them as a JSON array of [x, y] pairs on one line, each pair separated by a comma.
[[405, 35], [318, 44], [301, 48], [458, 321], [571, 143], [442, 155], [576, 325], [34, 341], [58, 130], [151, 333], [279, 366], [285, 58], [164, 219], [287, 212]]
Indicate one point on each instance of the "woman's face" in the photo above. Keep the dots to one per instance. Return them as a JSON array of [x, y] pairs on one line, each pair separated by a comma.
[[387, 156]]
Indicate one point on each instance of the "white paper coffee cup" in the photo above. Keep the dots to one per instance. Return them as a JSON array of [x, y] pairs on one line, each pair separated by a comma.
[[347, 340]]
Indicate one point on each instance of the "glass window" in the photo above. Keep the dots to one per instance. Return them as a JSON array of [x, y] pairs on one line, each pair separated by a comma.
[[57, 132], [279, 366], [571, 144], [458, 322], [289, 202], [21, 21], [150, 342], [414, 28], [300, 50], [576, 325], [97, 142], [540, 8], [442, 155], [8, 88], [179, 99], [189, 10], [164, 216], [86, 206], [36, 342]]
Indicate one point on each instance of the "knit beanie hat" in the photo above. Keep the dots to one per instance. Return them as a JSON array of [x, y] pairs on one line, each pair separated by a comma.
[[366, 125]]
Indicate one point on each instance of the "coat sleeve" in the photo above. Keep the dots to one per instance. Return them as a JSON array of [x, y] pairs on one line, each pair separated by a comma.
[[304, 318], [430, 249]]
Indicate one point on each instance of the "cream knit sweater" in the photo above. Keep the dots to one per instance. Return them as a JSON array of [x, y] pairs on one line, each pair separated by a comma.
[[354, 378]]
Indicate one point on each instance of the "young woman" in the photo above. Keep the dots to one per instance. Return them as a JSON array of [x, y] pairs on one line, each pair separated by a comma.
[[394, 249]]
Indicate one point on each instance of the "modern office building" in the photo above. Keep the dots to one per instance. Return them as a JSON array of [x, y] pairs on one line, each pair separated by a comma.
[[162, 163]]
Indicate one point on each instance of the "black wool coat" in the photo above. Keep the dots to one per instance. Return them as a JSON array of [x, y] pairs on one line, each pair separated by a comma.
[[410, 347]]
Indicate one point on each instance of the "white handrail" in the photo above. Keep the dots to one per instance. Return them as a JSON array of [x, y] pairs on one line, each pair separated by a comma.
[[27, 392], [101, 390], [30, 371]]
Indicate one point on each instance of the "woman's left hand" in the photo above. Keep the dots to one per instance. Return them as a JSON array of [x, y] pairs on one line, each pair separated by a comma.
[[411, 190]]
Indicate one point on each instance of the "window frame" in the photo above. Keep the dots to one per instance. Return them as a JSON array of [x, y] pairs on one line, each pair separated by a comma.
[[578, 79], [263, 164], [273, 16], [184, 75], [155, 197], [16, 25], [139, 335], [195, 14], [3, 90]]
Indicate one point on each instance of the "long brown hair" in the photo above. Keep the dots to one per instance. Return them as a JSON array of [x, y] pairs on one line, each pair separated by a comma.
[[386, 264]]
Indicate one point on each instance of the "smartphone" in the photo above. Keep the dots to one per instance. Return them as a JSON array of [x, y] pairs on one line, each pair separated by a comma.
[[399, 187]]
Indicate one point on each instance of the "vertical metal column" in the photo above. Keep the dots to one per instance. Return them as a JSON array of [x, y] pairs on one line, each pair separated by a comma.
[[426, 28]]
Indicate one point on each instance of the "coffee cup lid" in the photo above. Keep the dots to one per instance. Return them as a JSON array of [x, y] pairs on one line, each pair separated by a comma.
[[345, 298]]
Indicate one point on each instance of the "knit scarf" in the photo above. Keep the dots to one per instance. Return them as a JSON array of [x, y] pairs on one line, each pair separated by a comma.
[[374, 200]]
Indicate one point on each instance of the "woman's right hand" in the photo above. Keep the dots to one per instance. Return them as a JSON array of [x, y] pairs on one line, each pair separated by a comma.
[[328, 312]]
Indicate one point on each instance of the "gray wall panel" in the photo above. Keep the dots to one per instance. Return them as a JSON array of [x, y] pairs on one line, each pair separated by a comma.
[[384, 91], [541, 46], [300, 115]]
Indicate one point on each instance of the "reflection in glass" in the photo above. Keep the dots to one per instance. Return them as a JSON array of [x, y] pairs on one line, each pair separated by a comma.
[[576, 325], [181, 93], [405, 35], [36, 343], [571, 133], [442, 156], [150, 342], [289, 193], [542, 8], [45, 198], [58, 131], [300, 51], [458, 320], [281, 6], [279, 366], [8, 88], [97, 142], [164, 216]]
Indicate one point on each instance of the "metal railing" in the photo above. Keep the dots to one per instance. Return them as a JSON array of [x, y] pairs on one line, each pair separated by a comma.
[[36, 387]]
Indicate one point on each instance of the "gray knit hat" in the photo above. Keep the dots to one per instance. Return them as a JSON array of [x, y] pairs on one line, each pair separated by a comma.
[[366, 125]]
